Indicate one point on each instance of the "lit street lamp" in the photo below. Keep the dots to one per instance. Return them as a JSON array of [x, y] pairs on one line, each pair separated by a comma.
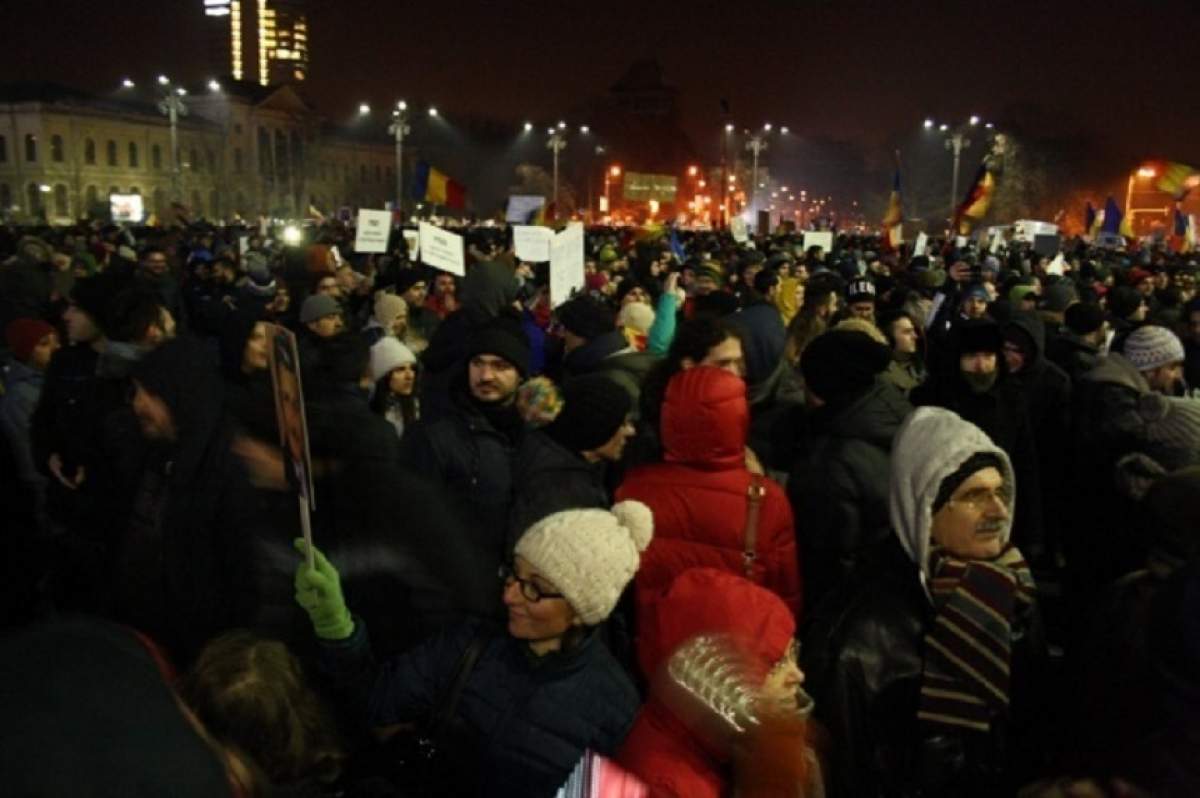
[[556, 144], [399, 129], [613, 171], [172, 106], [956, 141]]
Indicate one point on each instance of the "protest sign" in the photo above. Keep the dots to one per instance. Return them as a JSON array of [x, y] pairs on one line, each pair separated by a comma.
[[1046, 245], [919, 247], [373, 230], [819, 238], [960, 242], [532, 243], [997, 242], [523, 207], [243, 244], [1058, 266], [441, 249], [413, 240], [293, 426], [566, 264], [737, 228]]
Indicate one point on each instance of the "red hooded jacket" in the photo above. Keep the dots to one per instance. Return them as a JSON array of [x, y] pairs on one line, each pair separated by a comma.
[[660, 750], [699, 494]]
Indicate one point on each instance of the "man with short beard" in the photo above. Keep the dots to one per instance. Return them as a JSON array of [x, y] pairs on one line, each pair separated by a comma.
[[973, 381]]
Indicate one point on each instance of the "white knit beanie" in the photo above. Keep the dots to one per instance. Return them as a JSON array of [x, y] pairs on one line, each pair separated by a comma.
[[1152, 346], [637, 315], [387, 354], [388, 307], [589, 555]]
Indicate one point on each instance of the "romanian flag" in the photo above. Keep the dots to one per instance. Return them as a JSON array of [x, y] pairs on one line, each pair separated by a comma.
[[1177, 179], [1182, 235], [434, 187], [977, 202], [893, 218]]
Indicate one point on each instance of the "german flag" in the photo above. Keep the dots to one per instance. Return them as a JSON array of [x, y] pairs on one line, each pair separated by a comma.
[[977, 202]]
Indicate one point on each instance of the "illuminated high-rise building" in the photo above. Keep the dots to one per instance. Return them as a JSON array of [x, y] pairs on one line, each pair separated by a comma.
[[264, 41]]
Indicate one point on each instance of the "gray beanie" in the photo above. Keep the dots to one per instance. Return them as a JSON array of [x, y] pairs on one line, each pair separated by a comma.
[[1152, 346], [318, 306]]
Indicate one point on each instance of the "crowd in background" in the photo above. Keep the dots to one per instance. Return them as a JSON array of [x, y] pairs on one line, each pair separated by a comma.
[[748, 518]]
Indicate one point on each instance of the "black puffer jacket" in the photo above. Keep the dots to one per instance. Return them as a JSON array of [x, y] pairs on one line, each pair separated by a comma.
[[863, 659], [839, 486], [610, 354], [524, 721], [549, 478], [472, 459]]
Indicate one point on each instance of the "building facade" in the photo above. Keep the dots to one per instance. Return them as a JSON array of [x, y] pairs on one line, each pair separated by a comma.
[[263, 41], [243, 152]]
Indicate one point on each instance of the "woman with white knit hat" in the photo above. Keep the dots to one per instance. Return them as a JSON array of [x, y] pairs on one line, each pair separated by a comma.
[[394, 371], [536, 695]]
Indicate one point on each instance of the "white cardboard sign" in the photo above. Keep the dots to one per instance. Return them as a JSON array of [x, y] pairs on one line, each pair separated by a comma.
[[737, 227], [442, 250], [922, 243], [373, 230], [819, 238], [413, 239], [566, 264], [532, 243]]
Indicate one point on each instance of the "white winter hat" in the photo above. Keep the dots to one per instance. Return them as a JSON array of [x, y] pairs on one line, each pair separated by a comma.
[[387, 354], [637, 315], [589, 555]]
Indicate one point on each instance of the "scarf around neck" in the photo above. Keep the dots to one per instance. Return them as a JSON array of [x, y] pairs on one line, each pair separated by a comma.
[[968, 648]]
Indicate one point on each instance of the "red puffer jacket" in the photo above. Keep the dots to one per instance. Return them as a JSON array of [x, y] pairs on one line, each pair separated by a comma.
[[674, 760], [699, 494]]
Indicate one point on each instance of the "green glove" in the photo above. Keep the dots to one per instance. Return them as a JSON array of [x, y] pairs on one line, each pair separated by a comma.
[[319, 592]]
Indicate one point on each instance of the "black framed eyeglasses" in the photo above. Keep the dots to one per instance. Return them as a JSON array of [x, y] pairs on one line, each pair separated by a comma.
[[529, 590]]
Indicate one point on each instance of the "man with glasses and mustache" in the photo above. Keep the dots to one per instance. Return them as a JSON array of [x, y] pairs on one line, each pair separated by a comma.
[[928, 666]]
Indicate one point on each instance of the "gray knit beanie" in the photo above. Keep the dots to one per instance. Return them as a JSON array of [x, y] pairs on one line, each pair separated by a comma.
[[1152, 346]]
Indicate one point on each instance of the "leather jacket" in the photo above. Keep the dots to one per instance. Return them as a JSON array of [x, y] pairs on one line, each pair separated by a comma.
[[863, 660]]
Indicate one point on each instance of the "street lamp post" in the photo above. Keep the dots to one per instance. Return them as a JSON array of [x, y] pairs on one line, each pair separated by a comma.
[[756, 145], [610, 172], [399, 129], [956, 141], [173, 107], [556, 144]]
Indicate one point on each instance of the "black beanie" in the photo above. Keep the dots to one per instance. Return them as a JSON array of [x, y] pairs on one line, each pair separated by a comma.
[[594, 407], [93, 294], [407, 278], [502, 337], [977, 335], [586, 317], [1083, 318], [840, 364], [1123, 301], [974, 463]]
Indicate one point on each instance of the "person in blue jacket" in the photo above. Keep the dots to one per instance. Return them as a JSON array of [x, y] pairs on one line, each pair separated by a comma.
[[540, 693]]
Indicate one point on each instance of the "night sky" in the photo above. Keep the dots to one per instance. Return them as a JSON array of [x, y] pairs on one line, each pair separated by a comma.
[[1123, 74]]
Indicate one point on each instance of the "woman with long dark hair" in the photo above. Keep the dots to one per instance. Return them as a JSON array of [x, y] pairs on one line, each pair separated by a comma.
[[394, 370]]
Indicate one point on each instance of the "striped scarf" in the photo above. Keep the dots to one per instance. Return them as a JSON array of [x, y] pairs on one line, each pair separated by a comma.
[[968, 649]]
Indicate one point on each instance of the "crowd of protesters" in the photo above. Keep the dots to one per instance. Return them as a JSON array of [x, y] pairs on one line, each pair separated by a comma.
[[747, 518]]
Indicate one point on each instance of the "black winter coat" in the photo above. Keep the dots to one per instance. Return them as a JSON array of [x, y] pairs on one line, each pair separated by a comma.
[[863, 658], [472, 460], [549, 478], [525, 721], [839, 486]]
